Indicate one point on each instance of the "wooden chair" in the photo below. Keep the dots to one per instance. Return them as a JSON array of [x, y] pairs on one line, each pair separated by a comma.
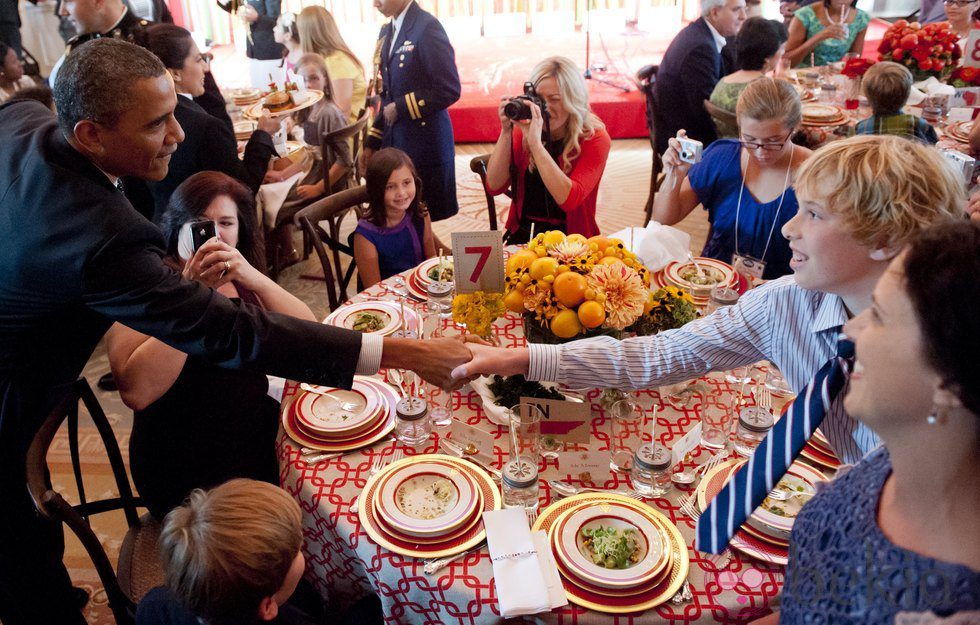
[[723, 119], [332, 209], [138, 569], [478, 165], [353, 132], [647, 78]]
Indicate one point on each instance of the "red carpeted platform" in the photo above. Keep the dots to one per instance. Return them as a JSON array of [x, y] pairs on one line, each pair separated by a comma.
[[493, 67]]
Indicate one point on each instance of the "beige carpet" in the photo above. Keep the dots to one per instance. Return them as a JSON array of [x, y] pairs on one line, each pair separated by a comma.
[[622, 195]]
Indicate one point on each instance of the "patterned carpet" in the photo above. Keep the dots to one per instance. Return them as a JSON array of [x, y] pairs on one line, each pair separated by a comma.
[[622, 195]]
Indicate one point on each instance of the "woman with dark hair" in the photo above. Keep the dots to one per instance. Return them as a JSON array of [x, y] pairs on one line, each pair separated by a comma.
[[209, 144], [898, 532], [759, 46], [182, 405], [826, 31], [396, 234]]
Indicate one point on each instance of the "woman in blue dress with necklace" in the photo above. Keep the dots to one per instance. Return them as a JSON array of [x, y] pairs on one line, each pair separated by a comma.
[[746, 185], [823, 32]]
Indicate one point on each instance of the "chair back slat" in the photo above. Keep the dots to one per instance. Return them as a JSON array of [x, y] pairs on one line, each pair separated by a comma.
[[478, 165]]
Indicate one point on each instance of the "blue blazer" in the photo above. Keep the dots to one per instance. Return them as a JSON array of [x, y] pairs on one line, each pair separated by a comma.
[[688, 73], [420, 77]]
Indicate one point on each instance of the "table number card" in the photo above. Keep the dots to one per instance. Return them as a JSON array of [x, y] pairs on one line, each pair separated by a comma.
[[478, 262], [565, 421], [971, 52]]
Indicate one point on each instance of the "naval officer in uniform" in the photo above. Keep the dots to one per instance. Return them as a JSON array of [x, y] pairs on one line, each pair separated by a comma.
[[419, 82], [93, 20]]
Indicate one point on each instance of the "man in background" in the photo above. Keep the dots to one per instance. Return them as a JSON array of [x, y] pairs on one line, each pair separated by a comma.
[[94, 19]]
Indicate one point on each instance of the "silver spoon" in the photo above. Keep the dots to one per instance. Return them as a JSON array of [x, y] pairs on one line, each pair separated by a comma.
[[567, 490], [701, 273], [344, 405]]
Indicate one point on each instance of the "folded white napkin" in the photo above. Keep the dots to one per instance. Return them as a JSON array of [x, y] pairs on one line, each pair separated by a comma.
[[524, 568], [660, 245], [271, 197]]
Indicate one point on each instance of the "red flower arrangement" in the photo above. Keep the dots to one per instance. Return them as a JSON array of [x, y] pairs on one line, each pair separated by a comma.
[[965, 77], [927, 50], [856, 67]]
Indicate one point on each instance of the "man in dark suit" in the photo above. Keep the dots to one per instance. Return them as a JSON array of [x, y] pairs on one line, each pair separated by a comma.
[[265, 52], [94, 19], [690, 69], [76, 257], [419, 82]]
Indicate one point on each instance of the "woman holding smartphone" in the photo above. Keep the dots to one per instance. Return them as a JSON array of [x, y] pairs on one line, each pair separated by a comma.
[[197, 425]]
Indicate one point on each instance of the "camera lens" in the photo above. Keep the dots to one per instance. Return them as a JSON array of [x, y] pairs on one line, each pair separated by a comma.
[[516, 110]]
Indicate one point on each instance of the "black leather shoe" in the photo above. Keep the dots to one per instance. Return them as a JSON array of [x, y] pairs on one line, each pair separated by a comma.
[[107, 383]]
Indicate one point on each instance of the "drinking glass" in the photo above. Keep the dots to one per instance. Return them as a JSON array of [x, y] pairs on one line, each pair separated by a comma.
[[626, 425], [716, 424], [776, 383], [525, 425], [720, 297], [440, 298], [440, 406]]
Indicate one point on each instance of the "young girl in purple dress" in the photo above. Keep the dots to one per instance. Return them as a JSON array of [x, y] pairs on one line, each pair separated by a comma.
[[397, 233]]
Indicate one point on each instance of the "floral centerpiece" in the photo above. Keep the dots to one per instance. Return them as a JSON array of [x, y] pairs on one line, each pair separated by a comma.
[[930, 50], [965, 77], [668, 308], [856, 67], [478, 310], [570, 287]]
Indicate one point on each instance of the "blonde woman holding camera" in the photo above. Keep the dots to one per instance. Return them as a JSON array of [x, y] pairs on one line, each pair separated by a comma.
[[746, 185], [556, 173]]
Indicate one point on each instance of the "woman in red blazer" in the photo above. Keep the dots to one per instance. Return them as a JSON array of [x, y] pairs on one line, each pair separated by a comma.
[[555, 174]]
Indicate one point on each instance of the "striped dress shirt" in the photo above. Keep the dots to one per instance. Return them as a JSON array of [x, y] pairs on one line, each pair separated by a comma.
[[792, 327]]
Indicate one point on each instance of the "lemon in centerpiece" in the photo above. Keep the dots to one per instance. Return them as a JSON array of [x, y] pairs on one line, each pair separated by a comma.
[[545, 266], [565, 325], [569, 288]]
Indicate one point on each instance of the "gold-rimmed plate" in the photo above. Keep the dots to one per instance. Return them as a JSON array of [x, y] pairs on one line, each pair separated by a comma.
[[292, 427], [428, 499], [375, 530], [311, 97], [611, 604]]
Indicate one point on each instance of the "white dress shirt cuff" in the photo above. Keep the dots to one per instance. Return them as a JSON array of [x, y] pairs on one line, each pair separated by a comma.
[[369, 360], [543, 362]]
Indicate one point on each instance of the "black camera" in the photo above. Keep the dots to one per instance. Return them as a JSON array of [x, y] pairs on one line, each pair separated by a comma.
[[517, 108]]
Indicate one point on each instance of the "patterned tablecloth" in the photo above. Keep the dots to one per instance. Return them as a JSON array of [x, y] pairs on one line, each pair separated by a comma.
[[345, 564]]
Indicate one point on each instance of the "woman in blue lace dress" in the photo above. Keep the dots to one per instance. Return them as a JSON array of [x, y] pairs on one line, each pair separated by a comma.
[[899, 532], [825, 32]]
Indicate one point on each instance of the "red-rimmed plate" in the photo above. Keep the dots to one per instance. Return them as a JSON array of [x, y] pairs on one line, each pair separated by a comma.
[[750, 530], [652, 549], [424, 273], [386, 425], [800, 477], [427, 499], [416, 288], [813, 454], [759, 549], [388, 316], [602, 600], [568, 575], [681, 274], [322, 413], [457, 544]]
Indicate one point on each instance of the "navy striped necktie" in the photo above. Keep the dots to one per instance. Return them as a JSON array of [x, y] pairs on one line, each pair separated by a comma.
[[753, 481]]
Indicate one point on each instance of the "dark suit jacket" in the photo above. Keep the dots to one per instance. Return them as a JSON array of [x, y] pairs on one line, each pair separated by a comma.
[[75, 257], [210, 145], [688, 73], [263, 44], [213, 102]]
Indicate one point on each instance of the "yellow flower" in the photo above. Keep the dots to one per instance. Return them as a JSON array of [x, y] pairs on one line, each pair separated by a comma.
[[478, 311], [624, 293]]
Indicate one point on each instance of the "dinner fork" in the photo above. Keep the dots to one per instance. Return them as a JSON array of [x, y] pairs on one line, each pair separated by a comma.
[[344, 405], [532, 515], [765, 399], [690, 507]]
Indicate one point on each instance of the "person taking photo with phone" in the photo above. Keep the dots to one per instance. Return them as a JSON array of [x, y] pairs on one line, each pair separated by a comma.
[[182, 404], [554, 175], [746, 185]]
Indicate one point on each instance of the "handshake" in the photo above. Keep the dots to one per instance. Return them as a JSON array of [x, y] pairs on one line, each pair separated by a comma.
[[452, 362]]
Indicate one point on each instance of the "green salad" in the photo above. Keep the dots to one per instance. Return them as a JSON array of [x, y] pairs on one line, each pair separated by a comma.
[[610, 548]]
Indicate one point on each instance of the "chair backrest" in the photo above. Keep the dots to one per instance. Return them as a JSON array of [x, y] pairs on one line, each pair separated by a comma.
[[478, 165], [723, 119], [647, 80], [52, 505], [353, 132], [332, 210]]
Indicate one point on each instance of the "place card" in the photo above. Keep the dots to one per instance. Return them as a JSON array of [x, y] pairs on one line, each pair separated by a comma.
[[591, 467], [567, 421], [465, 434], [478, 261], [685, 445]]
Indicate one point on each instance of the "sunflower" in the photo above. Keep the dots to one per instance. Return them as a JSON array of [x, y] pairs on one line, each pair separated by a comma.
[[624, 293]]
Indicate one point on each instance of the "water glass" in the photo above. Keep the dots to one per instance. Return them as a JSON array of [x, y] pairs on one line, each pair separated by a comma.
[[525, 425], [776, 383], [440, 298], [716, 424], [440, 406], [626, 422], [720, 297]]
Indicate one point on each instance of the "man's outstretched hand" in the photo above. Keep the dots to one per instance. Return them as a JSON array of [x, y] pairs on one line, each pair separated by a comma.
[[489, 360]]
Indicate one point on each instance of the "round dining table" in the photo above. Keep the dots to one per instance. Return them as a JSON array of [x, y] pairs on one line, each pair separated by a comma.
[[344, 564]]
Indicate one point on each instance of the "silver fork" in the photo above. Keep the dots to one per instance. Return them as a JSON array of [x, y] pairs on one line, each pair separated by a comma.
[[344, 405], [765, 398], [532, 515], [690, 506], [379, 463]]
